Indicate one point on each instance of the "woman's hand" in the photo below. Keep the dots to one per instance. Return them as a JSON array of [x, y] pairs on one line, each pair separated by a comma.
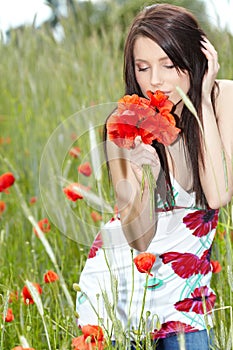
[[144, 154], [213, 67]]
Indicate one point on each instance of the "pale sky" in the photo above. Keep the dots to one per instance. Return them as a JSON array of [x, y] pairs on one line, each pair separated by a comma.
[[16, 12]]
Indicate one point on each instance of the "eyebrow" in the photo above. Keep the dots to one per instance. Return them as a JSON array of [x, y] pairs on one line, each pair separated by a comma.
[[145, 61]]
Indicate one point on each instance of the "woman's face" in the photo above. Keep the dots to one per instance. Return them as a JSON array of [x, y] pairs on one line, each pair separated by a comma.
[[155, 71]]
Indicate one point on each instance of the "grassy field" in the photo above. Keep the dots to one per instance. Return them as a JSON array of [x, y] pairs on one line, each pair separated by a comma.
[[42, 84]]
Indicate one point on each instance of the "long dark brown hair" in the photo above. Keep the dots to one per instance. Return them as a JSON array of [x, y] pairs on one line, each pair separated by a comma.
[[177, 32]]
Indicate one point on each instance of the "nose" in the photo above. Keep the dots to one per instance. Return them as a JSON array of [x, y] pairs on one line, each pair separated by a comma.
[[156, 78]]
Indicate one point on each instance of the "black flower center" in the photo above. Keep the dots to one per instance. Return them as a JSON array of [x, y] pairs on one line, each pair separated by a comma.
[[209, 215]]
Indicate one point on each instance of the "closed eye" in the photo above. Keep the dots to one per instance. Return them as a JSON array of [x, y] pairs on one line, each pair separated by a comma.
[[142, 69], [169, 66]]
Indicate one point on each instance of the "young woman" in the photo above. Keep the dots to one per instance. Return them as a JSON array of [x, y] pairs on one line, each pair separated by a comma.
[[166, 49]]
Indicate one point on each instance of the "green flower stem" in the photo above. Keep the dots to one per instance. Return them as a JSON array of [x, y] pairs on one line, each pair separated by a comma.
[[147, 175], [141, 316]]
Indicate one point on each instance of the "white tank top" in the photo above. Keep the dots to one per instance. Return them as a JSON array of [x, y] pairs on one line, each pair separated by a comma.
[[178, 296]]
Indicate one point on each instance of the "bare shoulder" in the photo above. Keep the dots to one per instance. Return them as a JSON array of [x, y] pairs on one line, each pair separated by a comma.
[[225, 84], [223, 99], [225, 93]]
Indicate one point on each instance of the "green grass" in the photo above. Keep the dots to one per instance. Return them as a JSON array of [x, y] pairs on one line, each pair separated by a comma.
[[42, 84]]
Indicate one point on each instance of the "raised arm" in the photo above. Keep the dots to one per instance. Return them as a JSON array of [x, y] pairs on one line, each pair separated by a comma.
[[217, 175]]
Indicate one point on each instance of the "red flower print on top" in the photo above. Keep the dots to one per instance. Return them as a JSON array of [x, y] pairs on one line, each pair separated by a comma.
[[172, 328], [201, 221], [187, 264], [202, 301], [205, 266], [95, 246], [184, 265]]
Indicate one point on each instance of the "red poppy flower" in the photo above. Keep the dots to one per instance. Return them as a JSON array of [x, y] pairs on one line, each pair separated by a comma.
[[97, 244], [44, 225], [94, 335], [172, 328], [187, 264], [216, 266], [201, 221], [133, 99], [9, 316], [96, 216], [6, 181], [200, 296], [160, 101], [94, 332], [50, 276], [33, 200], [2, 207], [85, 169], [75, 152], [137, 116], [27, 298], [144, 262], [80, 343], [123, 125], [122, 130], [158, 127], [72, 193]]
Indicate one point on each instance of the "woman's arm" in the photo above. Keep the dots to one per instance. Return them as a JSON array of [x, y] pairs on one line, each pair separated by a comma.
[[134, 206], [216, 176]]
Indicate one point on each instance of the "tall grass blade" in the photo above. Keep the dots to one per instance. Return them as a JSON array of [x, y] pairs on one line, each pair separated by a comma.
[[37, 300], [95, 156], [41, 236]]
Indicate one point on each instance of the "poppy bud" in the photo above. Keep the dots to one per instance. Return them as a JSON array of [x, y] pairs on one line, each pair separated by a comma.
[[144, 262]]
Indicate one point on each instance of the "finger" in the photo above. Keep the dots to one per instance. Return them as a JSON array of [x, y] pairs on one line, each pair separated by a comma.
[[206, 43], [209, 50], [212, 58], [145, 158]]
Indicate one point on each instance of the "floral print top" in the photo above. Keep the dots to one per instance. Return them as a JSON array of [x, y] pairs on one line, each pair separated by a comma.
[[178, 294]]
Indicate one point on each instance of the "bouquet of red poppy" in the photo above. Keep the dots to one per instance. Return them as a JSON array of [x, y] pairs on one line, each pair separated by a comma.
[[151, 119]]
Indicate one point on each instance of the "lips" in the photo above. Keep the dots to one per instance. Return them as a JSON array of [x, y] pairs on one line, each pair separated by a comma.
[[167, 93]]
